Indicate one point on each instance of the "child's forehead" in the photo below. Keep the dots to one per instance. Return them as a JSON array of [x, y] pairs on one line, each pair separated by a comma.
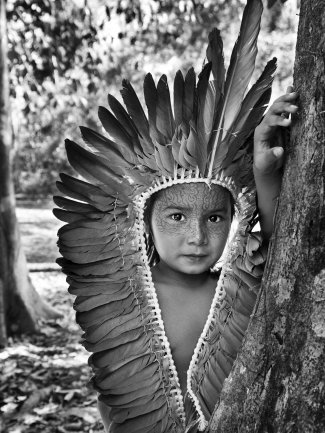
[[194, 195]]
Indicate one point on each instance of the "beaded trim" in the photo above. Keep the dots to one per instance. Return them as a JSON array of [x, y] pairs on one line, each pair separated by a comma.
[[186, 176]]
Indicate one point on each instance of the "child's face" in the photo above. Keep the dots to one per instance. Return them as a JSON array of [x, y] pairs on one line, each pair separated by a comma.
[[190, 225]]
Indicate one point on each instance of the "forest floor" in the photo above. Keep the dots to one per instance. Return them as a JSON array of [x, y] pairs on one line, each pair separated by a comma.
[[44, 377]]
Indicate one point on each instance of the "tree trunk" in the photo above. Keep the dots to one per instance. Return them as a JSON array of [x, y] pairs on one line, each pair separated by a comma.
[[278, 381], [21, 304]]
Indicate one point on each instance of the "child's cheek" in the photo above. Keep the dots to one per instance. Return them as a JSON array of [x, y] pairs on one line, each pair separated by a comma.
[[219, 230]]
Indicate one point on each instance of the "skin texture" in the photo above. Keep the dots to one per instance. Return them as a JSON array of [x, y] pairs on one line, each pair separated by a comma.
[[190, 225]]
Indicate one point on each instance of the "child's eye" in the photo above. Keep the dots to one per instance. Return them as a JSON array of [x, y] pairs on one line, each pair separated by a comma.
[[214, 218], [177, 217]]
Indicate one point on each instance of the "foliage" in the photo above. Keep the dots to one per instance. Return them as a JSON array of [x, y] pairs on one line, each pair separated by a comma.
[[43, 385], [66, 56]]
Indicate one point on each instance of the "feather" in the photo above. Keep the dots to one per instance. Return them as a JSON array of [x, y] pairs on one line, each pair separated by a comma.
[[151, 98], [99, 331], [122, 116], [73, 206], [131, 387], [134, 371], [251, 111], [88, 302], [125, 142], [189, 97], [195, 151], [104, 267], [165, 119], [198, 140], [113, 359], [129, 397], [83, 289], [176, 146], [141, 400], [87, 322], [100, 201], [99, 314], [71, 185], [140, 422], [137, 114], [237, 140], [239, 72], [108, 149], [178, 97], [123, 163], [165, 159], [214, 55], [150, 95], [92, 168], [149, 405], [242, 61], [66, 216]]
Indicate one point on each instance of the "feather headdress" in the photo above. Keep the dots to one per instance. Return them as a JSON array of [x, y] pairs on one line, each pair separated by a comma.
[[202, 136]]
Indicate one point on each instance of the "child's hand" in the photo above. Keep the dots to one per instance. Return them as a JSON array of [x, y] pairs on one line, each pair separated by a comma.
[[268, 158]]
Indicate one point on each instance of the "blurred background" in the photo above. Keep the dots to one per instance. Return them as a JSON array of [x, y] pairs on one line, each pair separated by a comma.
[[64, 58]]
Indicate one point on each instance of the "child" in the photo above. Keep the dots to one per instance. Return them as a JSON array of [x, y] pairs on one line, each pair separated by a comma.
[[164, 202]]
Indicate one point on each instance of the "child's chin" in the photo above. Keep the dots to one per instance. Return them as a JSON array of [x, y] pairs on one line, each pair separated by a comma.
[[195, 269]]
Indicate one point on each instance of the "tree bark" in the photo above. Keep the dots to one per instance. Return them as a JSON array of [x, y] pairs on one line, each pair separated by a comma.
[[21, 304], [278, 381]]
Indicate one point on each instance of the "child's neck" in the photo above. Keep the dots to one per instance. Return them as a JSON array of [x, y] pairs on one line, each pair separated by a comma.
[[164, 274]]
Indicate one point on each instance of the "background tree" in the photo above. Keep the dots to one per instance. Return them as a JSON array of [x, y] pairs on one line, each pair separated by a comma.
[[278, 382], [20, 306]]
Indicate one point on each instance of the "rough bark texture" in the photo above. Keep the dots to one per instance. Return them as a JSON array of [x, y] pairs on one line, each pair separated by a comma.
[[278, 382], [21, 304]]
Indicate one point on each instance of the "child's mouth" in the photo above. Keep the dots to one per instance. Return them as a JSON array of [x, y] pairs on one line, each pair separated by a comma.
[[195, 256]]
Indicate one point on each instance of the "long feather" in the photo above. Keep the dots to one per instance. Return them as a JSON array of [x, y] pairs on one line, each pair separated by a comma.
[[189, 96], [215, 56], [124, 140], [122, 115], [137, 114], [92, 168], [239, 73], [198, 139], [178, 97], [151, 98], [165, 119], [253, 98], [242, 132], [73, 206]]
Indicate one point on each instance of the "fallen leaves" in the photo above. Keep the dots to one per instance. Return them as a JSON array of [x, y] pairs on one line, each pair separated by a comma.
[[44, 378]]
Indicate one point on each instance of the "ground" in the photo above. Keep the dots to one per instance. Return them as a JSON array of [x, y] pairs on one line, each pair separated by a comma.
[[44, 377]]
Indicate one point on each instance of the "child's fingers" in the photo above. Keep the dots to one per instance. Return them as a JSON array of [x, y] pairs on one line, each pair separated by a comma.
[[287, 97], [278, 120], [283, 107]]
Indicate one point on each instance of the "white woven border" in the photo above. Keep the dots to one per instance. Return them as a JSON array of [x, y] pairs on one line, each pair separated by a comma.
[[186, 176]]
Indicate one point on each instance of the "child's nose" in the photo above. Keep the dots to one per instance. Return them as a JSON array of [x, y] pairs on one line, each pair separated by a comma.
[[197, 234]]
